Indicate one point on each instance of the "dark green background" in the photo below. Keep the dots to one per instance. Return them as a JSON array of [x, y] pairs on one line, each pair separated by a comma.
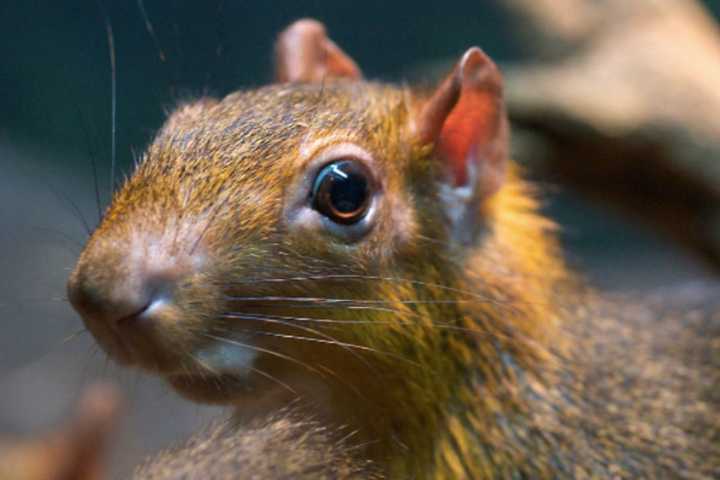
[[55, 117], [55, 69], [55, 75]]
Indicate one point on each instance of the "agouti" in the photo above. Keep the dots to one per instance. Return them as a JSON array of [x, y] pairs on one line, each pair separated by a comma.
[[372, 250]]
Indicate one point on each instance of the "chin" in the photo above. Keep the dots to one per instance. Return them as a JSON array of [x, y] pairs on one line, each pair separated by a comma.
[[213, 389], [243, 391]]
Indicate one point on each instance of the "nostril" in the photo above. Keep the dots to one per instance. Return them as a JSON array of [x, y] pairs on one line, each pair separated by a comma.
[[143, 314], [133, 318], [122, 305], [131, 291]]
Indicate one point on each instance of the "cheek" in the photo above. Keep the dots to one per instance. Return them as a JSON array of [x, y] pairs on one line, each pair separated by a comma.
[[229, 355], [399, 227]]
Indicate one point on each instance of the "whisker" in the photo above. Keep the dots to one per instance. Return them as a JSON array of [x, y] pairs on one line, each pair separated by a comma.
[[364, 277], [262, 350], [356, 303], [74, 335], [64, 236], [347, 384], [93, 160], [359, 277], [63, 197], [252, 316], [256, 370], [274, 379], [494, 333], [317, 306], [446, 326], [89, 356], [433, 240], [150, 29], [113, 87], [325, 300], [328, 371], [106, 362], [337, 343], [313, 331]]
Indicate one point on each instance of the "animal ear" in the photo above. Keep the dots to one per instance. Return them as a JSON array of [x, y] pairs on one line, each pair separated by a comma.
[[465, 121], [304, 53]]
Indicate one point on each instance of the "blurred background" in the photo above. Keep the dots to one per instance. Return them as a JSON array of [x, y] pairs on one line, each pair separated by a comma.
[[614, 108]]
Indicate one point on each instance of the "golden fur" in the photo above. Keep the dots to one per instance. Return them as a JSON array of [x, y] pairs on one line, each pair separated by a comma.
[[451, 360]]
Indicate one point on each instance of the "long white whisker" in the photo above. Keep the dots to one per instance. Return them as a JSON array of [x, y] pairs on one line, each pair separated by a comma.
[[337, 343], [447, 326], [308, 330], [74, 335], [366, 277], [113, 87], [263, 350], [324, 300], [256, 370]]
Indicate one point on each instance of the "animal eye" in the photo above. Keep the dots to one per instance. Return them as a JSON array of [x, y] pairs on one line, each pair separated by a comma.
[[341, 191]]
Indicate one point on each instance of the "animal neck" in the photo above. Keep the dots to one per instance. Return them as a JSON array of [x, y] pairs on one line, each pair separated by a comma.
[[482, 349]]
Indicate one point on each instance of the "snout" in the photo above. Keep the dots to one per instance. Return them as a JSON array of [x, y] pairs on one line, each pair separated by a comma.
[[130, 294]]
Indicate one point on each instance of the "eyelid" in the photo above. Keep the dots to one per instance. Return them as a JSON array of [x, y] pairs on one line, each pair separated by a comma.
[[325, 155]]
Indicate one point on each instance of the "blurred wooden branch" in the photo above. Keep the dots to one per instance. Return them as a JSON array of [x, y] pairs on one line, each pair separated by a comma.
[[75, 452], [622, 100]]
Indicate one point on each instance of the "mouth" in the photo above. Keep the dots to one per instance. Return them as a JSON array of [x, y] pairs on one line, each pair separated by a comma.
[[120, 351], [207, 356], [226, 373], [218, 389], [211, 373], [215, 373]]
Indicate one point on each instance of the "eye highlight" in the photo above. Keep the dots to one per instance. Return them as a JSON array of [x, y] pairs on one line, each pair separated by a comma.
[[342, 191]]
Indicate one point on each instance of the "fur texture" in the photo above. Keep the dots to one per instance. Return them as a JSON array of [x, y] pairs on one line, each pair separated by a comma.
[[451, 360]]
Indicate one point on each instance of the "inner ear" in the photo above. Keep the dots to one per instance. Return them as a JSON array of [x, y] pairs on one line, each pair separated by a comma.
[[304, 53], [465, 120]]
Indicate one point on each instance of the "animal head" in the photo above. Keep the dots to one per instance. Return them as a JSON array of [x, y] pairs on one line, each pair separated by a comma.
[[303, 229]]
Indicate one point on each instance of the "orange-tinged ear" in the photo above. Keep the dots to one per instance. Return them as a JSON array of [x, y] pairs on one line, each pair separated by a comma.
[[304, 53], [465, 120]]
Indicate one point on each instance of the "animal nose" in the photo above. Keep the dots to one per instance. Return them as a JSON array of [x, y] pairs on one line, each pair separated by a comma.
[[121, 301], [123, 284], [132, 293]]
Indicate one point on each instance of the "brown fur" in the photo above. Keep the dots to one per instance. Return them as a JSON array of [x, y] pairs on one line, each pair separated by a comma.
[[451, 360], [283, 446]]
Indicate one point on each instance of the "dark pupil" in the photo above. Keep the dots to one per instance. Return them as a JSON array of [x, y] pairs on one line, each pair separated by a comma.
[[347, 190], [341, 192]]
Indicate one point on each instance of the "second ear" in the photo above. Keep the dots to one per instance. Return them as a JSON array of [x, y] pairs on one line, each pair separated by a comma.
[[465, 121], [305, 54]]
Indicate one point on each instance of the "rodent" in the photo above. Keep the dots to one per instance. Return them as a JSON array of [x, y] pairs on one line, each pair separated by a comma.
[[372, 249]]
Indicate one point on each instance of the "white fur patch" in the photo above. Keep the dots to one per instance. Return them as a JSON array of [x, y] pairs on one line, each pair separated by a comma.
[[227, 357]]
